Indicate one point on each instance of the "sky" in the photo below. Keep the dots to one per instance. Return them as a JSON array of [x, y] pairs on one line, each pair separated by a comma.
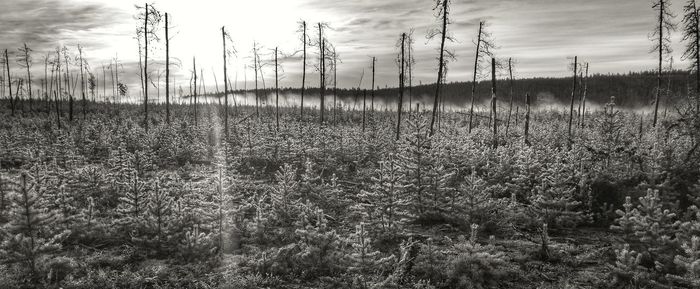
[[542, 36]]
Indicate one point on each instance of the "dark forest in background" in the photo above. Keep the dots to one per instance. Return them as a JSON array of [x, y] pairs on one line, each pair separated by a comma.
[[631, 90]]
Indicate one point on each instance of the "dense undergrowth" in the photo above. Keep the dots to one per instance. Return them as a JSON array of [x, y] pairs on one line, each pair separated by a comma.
[[103, 203]]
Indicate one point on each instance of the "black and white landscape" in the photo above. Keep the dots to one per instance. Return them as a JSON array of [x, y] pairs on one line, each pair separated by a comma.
[[350, 144]]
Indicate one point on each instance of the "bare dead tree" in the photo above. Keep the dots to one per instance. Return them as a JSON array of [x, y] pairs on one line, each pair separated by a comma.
[[9, 83], [335, 58], [527, 119], [510, 104], [70, 95], [364, 108], [493, 102], [662, 43], [402, 66], [583, 97], [82, 79], [25, 60], [304, 38], [442, 11], [484, 45], [194, 71], [571, 109], [255, 68], [277, 93], [374, 62], [410, 62], [322, 69], [167, 72], [231, 51], [151, 18]]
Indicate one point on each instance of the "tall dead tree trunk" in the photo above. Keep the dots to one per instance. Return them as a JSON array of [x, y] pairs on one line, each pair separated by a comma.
[[223, 39], [303, 71], [476, 68], [374, 62], [82, 80], [527, 119], [571, 109], [58, 112], [663, 45], [364, 108], [583, 98], [9, 83], [29, 75], [335, 85], [493, 102], [510, 105], [70, 95], [167, 72], [441, 64], [194, 70], [47, 103], [322, 69], [401, 83], [145, 69], [410, 75], [255, 68], [277, 94]]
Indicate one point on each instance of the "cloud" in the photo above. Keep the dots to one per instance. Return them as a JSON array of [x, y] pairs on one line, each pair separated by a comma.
[[540, 34]]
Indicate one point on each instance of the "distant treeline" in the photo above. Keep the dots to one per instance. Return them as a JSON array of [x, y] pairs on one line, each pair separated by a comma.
[[632, 89]]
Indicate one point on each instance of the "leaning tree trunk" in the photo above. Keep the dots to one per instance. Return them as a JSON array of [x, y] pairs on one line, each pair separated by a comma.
[[440, 66], [9, 83], [476, 67]]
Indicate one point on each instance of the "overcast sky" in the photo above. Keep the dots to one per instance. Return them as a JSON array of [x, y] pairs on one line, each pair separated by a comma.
[[541, 35]]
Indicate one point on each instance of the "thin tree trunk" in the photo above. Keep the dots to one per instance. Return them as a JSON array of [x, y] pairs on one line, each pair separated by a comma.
[[194, 69], [29, 75], [510, 105], [255, 68], [335, 85], [145, 69], [58, 112], [374, 62], [9, 83], [277, 94], [82, 80], [401, 83], [583, 99], [476, 67], [527, 119], [440, 66], [322, 68], [303, 73], [573, 96], [70, 95], [364, 108], [167, 72], [493, 102]]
